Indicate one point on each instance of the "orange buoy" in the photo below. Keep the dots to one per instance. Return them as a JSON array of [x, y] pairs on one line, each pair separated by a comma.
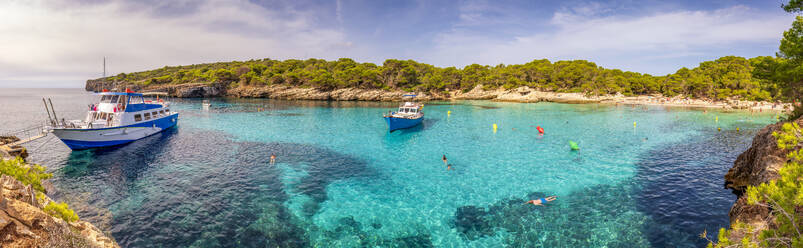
[[540, 130]]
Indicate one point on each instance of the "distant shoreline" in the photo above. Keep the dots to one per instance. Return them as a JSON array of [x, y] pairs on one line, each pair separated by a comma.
[[521, 94]]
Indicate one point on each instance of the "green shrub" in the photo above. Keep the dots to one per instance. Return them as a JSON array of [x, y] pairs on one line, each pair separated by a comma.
[[28, 175], [40, 198], [61, 211], [784, 195], [729, 76]]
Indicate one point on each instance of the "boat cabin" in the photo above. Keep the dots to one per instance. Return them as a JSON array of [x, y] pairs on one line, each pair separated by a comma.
[[409, 110], [121, 109]]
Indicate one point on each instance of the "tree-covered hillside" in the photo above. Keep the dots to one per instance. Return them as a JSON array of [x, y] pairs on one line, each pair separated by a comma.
[[726, 77]]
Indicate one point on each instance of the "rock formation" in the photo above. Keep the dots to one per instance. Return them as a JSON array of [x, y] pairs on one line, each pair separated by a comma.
[[759, 164], [23, 222], [9, 151], [288, 92], [521, 94]]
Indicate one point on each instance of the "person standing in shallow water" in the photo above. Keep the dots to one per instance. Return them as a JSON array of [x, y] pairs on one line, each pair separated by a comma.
[[272, 158], [542, 201]]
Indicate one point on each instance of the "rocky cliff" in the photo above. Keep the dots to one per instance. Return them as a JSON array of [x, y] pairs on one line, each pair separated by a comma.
[[175, 90], [23, 223], [759, 164], [287, 92]]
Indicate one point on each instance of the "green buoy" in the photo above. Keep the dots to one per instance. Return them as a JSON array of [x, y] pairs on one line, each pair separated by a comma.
[[573, 145]]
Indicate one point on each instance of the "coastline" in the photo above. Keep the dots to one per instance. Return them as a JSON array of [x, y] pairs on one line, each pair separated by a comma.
[[761, 163], [556, 96], [27, 215], [522, 94]]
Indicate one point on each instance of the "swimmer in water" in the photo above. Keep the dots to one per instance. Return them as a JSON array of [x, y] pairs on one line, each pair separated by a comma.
[[445, 162], [542, 201], [448, 167], [272, 158]]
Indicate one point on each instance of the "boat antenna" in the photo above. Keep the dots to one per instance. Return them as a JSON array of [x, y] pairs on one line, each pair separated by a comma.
[[104, 71], [48, 113], [54, 110]]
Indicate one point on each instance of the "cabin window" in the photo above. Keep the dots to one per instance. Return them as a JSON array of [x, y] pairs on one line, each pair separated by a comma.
[[137, 117], [135, 100], [123, 102], [167, 111], [155, 114], [147, 116], [161, 112]]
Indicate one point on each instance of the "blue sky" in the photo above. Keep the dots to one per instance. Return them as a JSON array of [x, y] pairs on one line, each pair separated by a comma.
[[60, 43]]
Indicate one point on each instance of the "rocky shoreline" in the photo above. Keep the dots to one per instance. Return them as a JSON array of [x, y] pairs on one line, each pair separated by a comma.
[[522, 94], [759, 164], [24, 222]]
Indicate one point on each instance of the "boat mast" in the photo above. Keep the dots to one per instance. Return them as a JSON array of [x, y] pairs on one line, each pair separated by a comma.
[[104, 72], [54, 111], [53, 123]]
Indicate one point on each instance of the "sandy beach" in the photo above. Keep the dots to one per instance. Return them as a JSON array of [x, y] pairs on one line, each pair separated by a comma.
[[526, 94]]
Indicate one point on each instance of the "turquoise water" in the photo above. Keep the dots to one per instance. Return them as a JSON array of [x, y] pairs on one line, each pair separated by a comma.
[[340, 180]]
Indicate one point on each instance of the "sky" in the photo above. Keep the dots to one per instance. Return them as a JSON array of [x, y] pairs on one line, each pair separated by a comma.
[[61, 43]]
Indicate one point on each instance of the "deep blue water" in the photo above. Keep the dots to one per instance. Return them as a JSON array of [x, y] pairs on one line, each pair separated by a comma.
[[342, 181]]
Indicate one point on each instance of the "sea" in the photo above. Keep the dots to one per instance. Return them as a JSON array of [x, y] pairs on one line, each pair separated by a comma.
[[644, 176]]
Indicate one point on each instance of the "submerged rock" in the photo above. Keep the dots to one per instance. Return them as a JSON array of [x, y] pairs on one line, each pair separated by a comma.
[[274, 227], [574, 221], [376, 225], [473, 222], [423, 241]]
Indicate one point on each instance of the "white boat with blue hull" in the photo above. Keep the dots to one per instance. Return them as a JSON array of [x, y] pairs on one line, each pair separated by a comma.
[[119, 118], [410, 114]]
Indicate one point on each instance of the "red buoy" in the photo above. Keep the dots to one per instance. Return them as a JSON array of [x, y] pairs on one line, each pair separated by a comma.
[[540, 130]]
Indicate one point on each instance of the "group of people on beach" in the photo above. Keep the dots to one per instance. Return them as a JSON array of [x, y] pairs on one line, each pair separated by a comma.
[[536, 202]]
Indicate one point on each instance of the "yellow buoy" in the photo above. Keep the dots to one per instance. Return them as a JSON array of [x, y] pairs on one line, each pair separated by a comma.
[[448, 113], [719, 129], [634, 124], [495, 127], [737, 129], [716, 119]]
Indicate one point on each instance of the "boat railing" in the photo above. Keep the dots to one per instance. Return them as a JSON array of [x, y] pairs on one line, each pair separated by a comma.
[[27, 134]]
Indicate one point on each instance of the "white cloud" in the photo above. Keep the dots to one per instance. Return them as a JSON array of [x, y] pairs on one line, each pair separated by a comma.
[[627, 42], [40, 41]]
